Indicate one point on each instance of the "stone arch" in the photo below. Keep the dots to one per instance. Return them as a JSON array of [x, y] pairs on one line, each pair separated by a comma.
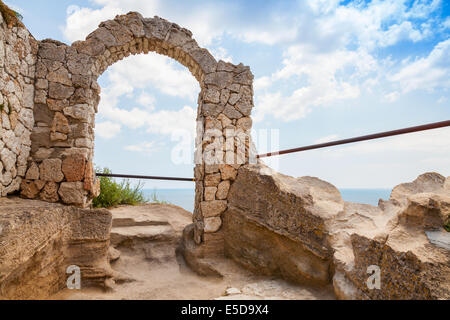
[[67, 96]]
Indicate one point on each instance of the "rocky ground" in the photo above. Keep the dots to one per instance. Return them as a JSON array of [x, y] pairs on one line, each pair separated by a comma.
[[143, 251]]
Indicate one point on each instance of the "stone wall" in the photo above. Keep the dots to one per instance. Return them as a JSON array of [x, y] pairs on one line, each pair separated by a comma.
[[67, 95], [17, 62], [40, 240]]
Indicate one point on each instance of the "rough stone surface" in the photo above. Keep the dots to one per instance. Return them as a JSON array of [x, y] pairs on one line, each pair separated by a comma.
[[50, 170], [73, 167], [72, 193], [51, 107], [17, 62], [40, 240], [302, 230], [65, 96]]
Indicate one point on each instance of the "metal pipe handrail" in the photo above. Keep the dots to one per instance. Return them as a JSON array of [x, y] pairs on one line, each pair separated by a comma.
[[429, 126], [385, 134], [143, 177]]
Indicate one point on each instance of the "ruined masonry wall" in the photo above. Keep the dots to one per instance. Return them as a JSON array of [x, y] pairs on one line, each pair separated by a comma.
[[17, 62], [67, 96]]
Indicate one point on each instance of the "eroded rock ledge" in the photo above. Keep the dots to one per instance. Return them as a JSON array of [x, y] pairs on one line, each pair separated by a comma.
[[302, 230], [39, 240]]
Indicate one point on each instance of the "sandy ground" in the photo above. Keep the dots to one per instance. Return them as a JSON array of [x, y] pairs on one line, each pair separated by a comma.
[[146, 237]]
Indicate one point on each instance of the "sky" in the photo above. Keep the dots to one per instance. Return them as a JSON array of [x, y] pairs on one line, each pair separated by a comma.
[[324, 70]]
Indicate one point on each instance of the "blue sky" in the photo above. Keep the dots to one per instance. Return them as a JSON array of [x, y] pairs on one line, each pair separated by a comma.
[[323, 70]]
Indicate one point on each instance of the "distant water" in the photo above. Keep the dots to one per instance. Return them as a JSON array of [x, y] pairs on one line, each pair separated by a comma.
[[368, 196], [185, 197], [180, 197]]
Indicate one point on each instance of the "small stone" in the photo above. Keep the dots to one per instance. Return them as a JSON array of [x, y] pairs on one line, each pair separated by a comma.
[[72, 193], [225, 121], [28, 189], [210, 193], [59, 91], [60, 76], [81, 112], [58, 136], [57, 105], [213, 208], [60, 123], [89, 177], [33, 172], [50, 192], [231, 112], [232, 291], [244, 123], [212, 180], [222, 190], [228, 172], [212, 224], [211, 96], [41, 84], [224, 96], [50, 170], [234, 98], [73, 167]]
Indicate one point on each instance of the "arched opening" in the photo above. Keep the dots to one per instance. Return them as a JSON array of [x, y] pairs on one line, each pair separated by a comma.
[[67, 98]]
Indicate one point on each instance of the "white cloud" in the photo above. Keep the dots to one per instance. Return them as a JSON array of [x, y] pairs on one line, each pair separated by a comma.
[[107, 129], [328, 138], [428, 73], [160, 72], [391, 96], [327, 81], [145, 147], [147, 101], [433, 142], [221, 53]]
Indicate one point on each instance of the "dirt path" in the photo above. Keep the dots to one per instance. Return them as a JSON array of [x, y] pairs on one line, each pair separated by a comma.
[[146, 237]]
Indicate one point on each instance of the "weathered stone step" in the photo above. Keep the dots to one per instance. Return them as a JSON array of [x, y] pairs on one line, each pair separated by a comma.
[[148, 233], [124, 219]]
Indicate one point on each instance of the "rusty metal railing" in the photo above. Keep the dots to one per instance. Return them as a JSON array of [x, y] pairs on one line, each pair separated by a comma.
[[429, 126]]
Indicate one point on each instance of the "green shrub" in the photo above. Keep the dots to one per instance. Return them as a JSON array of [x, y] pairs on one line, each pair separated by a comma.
[[113, 193], [447, 225]]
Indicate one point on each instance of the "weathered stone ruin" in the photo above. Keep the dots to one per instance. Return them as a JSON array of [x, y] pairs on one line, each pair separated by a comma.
[[296, 228]]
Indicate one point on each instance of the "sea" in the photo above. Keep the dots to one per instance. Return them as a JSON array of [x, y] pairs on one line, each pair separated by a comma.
[[185, 197]]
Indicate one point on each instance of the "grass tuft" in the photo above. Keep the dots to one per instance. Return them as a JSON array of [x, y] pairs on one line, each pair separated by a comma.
[[113, 193], [11, 17]]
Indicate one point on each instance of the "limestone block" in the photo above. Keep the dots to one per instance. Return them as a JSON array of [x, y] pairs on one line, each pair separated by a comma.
[[60, 123], [212, 224], [222, 190], [212, 180], [27, 118], [73, 167], [211, 96], [59, 91], [60, 76], [50, 170], [57, 105], [81, 112], [50, 192], [28, 189], [51, 51], [228, 172], [244, 124], [32, 172], [210, 193], [231, 112], [213, 208], [72, 193]]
